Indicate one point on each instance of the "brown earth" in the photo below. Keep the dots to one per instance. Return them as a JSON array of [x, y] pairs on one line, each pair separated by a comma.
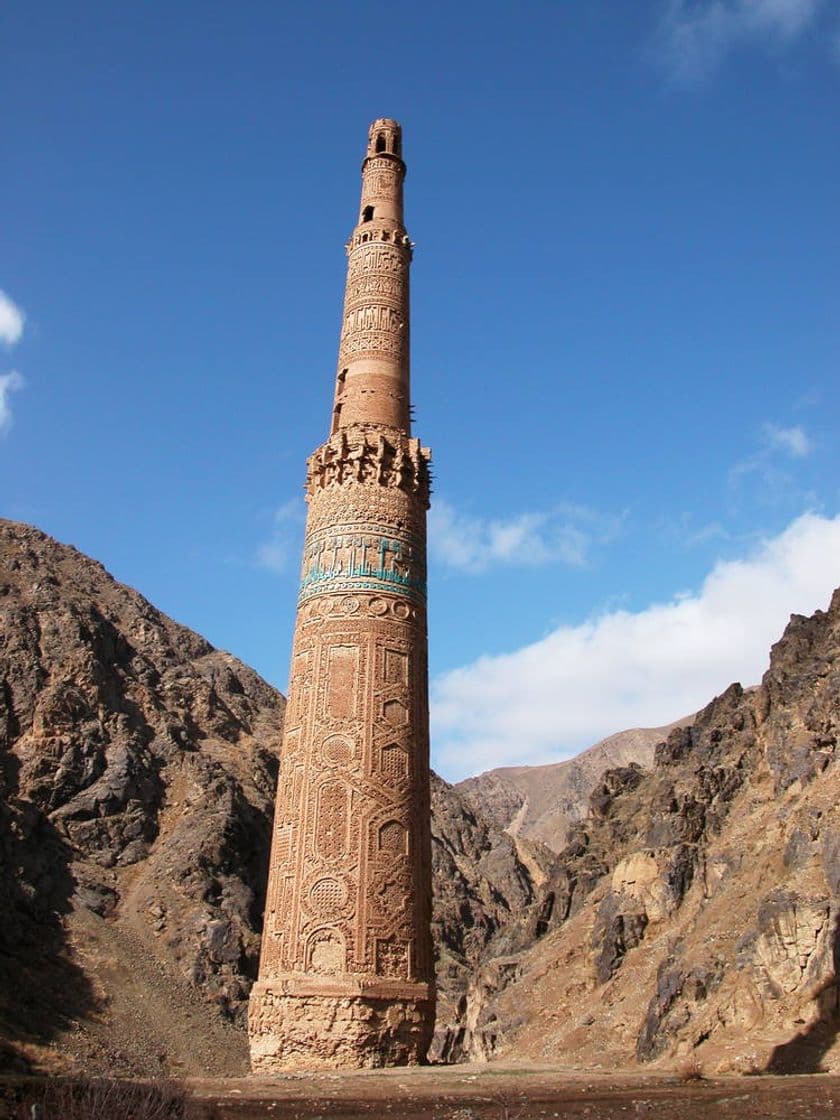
[[521, 1092]]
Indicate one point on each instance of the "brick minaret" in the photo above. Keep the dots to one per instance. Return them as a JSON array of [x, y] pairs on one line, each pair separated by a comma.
[[346, 975]]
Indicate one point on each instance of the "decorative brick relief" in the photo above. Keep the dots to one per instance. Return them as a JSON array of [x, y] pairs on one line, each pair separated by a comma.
[[393, 838], [394, 763], [349, 895], [392, 957], [341, 682], [358, 456], [331, 821], [326, 953]]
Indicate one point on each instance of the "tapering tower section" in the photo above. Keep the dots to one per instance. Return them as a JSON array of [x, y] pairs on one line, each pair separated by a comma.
[[346, 975]]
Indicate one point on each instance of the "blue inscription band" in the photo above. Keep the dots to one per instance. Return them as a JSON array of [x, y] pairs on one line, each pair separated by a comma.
[[363, 558]]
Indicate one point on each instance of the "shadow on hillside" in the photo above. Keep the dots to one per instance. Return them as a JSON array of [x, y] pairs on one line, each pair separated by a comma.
[[805, 1052], [41, 988]]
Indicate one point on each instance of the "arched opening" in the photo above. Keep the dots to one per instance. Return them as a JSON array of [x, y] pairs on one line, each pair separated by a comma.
[[380, 142], [367, 214]]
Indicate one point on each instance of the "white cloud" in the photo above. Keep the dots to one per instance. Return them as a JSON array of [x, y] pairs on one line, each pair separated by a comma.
[[11, 320], [553, 698], [8, 383], [792, 440], [696, 35], [284, 545], [564, 535]]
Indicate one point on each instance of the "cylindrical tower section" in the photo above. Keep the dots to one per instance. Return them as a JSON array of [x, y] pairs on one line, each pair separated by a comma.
[[347, 973], [372, 385]]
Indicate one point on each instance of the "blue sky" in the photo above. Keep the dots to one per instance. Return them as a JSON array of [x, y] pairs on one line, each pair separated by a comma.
[[624, 328]]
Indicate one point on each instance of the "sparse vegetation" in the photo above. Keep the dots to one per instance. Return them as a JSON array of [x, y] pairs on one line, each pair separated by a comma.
[[691, 1069], [102, 1099]]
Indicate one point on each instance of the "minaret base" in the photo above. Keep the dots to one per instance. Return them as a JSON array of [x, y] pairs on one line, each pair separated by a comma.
[[310, 1029]]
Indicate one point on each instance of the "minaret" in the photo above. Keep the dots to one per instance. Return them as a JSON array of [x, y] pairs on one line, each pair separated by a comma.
[[346, 975]]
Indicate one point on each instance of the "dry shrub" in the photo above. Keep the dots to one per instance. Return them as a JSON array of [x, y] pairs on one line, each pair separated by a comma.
[[101, 1099], [691, 1070]]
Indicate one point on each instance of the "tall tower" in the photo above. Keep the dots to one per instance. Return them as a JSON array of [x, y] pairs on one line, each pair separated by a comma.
[[346, 976]]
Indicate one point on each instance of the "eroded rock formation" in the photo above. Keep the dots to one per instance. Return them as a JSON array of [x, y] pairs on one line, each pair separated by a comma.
[[695, 909], [138, 767]]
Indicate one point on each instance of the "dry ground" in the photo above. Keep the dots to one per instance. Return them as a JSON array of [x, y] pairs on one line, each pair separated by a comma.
[[497, 1092]]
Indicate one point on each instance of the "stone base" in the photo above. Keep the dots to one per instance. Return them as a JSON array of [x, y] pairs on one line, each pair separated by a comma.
[[333, 1031]]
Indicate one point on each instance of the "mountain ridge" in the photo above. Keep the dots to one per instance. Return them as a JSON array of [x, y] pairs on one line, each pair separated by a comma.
[[694, 908], [543, 802]]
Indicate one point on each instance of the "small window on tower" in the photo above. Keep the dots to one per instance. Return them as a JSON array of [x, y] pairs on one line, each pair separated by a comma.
[[380, 142], [367, 214], [342, 377], [396, 145]]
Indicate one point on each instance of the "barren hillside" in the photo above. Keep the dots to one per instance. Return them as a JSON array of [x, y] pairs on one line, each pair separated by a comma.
[[137, 775], [695, 909]]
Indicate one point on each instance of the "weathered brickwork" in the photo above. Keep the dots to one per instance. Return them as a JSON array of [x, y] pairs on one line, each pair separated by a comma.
[[346, 974]]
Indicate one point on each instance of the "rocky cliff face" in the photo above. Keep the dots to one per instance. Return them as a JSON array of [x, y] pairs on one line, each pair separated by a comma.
[[695, 910], [137, 775], [483, 879], [138, 766]]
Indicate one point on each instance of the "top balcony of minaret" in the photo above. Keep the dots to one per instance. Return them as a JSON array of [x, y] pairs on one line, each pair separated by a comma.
[[385, 139]]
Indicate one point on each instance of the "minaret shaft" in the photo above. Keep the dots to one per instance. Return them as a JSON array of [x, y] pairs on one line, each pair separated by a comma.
[[346, 974], [372, 386]]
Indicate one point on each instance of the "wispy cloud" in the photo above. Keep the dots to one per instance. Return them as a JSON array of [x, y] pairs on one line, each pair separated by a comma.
[[11, 320], [771, 462], [550, 699], [8, 383], [695, 36], [283, 547], [11, 331], [684, 532], [564, 534], [792, 440]]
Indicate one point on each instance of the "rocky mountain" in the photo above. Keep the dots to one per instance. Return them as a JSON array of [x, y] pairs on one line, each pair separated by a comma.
[[137, 773], [137, 770], [482, 880], [542, 803], [695, 911]]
